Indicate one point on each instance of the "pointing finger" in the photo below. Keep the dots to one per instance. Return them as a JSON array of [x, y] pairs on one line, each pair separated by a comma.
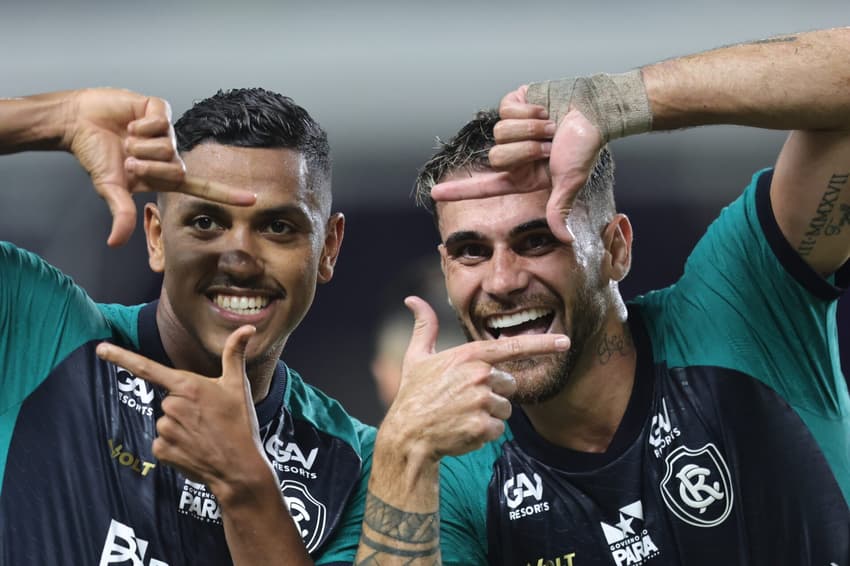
[[140, 366], [518, 347]]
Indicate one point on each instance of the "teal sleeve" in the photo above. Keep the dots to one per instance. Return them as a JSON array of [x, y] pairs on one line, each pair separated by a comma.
[[464, 481], [747, 301], [43, 317], [342, 548]]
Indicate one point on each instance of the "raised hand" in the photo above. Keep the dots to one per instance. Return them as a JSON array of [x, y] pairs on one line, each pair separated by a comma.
[[454, 401], [525, 160], [126, 142], [208, 429]]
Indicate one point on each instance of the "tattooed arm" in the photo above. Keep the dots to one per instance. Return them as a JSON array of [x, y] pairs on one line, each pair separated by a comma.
[[799, 83], [448, 403]]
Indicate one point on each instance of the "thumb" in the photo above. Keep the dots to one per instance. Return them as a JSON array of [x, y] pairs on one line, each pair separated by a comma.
[[575, 147], [233, 357], [123, 211], [425, 329]]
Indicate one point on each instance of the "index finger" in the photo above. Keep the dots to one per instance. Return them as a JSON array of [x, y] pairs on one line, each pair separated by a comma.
[[480, 185], [517, 347], [140, 366], [215, 191], [515, 105]]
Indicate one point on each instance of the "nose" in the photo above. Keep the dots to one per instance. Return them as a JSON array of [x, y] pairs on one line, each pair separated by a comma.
[[240, 257], [506, 275]]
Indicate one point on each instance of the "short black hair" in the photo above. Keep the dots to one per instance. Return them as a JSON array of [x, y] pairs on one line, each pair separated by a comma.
[[468, 151], [256, 117]]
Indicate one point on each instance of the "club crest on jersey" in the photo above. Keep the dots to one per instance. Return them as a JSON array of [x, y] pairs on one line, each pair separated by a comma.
[[628, 540], [524, 496], [309, 514], [697, 486]]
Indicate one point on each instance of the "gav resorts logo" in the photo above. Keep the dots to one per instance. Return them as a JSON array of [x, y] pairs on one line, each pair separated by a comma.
[[629, 542], [697, 486], [309, 514], [134, 391], [518, 490], [122, 546], [662, 433]]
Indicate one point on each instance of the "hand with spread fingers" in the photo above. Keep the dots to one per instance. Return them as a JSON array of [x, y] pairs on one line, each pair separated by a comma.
[[532, 153], [124, 140], [208, 424]]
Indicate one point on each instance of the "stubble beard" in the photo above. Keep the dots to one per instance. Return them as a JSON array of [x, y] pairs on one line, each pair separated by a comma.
[[587, 318]]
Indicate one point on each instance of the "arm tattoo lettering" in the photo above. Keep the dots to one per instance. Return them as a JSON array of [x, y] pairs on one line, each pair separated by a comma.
[[824, 223]]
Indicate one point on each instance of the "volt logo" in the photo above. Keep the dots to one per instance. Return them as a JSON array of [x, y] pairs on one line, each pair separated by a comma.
[[282, 452], [123, 547]]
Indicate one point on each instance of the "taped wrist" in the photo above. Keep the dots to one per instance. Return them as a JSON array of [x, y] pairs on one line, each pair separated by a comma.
[[616, 104]]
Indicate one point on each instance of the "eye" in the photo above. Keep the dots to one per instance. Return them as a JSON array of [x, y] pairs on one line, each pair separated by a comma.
[[537, 243], [469, 252], [204, 223], [279, 227]]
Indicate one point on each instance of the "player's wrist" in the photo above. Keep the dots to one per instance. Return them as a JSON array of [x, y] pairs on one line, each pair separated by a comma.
[[617, 104], [252, 485]]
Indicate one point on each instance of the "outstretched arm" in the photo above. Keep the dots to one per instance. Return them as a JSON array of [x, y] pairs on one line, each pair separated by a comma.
[[123, 139], [797, 82]]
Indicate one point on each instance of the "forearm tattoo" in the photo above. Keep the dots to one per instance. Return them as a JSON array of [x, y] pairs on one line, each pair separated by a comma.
[[414, 536], [825, 221], [614, 344]]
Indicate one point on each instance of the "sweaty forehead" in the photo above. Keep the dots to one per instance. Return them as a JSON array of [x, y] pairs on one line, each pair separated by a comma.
[[492, 217]]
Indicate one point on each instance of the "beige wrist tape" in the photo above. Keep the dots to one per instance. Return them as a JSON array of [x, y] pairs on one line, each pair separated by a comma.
[[616, 104]]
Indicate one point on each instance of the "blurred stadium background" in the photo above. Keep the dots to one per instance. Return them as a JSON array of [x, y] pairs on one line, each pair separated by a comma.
[[384, 79]]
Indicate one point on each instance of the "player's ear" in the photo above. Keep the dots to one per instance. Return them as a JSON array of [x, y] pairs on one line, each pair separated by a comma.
[[617, 240], [330, 251], [153, 234]]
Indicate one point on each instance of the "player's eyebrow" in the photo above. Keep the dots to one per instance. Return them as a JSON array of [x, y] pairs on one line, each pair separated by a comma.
[[530, 226], [463, 236]]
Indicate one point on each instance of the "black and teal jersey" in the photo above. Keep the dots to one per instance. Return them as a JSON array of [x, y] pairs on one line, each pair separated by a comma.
[[735, 445], [78, 483]]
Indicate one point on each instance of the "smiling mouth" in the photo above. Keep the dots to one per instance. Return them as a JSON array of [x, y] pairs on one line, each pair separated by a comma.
[[528, 321], [241, 304]]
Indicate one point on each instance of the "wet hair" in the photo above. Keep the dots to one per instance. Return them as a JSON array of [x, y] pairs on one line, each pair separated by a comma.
[[468, 151], [255, 117]]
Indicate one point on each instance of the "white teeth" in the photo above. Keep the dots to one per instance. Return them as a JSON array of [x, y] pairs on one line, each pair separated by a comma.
[[508, 320], [241, 305]]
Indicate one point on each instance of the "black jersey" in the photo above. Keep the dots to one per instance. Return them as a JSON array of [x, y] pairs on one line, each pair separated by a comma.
[[734, 446], [79, 482]]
